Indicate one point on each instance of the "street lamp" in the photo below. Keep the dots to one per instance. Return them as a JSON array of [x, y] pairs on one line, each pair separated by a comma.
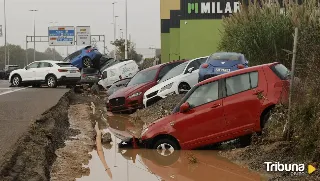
[[5, 33], [126, 40], [54, 47], [114, 30], [34, 33]]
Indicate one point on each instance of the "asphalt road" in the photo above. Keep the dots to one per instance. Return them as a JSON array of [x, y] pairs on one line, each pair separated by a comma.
[[18, 107]]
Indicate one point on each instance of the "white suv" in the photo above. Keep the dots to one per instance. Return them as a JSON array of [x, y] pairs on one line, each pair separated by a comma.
[[49, 72]]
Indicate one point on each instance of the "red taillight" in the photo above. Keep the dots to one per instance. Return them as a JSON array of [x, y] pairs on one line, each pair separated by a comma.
[[205, 65], [62, 70], [240, 66], [89, 50]]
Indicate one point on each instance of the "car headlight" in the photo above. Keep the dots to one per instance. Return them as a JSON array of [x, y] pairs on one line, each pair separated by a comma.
[[135, 94], [144, 131], [166, 87]]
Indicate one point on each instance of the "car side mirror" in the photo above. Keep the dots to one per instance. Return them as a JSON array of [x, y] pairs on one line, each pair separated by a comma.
[[104, 75], [184, 107], [190, 69], [26, 68]]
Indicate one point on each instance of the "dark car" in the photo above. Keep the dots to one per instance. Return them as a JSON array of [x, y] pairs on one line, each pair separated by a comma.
[[220, 63], [8, 69], [87, 57], [118, 85], [130, 98], [2, 74]]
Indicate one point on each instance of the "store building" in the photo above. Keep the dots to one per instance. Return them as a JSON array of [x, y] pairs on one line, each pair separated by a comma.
[[191, 28]]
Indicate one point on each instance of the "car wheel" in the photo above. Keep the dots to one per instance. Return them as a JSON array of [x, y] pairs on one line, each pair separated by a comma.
[[16, 81], [86, 61], [51, 81], [166, 152], [183, 87]]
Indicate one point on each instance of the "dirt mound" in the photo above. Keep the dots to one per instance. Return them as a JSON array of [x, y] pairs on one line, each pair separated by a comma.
[[34, 153], [158, 110]]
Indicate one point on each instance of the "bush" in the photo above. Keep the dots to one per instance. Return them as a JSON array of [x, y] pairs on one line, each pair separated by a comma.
[[265, 35]]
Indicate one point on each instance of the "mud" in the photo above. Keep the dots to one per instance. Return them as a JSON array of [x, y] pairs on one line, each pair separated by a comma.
[[34, 152], [70, 158]]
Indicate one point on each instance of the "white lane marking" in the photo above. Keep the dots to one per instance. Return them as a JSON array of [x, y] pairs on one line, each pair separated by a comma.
[[8, 92]]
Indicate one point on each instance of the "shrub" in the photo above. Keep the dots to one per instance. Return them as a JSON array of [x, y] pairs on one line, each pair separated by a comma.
[[265, 35]]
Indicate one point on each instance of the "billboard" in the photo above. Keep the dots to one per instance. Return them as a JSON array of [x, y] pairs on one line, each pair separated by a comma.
[[83, 35], [61, 35]]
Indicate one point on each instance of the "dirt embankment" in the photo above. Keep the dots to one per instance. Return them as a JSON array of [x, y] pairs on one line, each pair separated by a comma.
[[34, 153], [158, 110]]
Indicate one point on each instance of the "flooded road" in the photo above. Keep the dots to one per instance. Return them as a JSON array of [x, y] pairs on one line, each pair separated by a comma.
[[151, 165]]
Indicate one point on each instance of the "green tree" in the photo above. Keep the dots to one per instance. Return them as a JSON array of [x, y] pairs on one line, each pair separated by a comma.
[[120, 52], [16, 55]]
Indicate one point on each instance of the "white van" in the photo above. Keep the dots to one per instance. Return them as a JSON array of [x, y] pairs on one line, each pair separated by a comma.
[[126, 69]]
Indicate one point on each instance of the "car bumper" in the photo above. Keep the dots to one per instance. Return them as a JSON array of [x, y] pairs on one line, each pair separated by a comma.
[[159, 96], [89, 81], [130, 104], [68, 80]]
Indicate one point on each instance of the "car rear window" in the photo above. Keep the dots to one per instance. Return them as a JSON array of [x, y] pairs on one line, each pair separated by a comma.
[[64, 64], [281, 71]]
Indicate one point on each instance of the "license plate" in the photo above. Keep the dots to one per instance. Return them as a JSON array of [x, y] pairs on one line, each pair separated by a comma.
[[73, 71], [223, 70]]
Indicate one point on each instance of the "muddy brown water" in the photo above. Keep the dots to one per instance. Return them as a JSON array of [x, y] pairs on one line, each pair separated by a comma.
[[150, 165]]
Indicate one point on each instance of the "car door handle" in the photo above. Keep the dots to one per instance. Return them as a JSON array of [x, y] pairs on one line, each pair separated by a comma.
[[257, 92], [215, 105]]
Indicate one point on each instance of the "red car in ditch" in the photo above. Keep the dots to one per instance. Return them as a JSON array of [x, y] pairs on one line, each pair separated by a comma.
[[222, 108], [130, 98]]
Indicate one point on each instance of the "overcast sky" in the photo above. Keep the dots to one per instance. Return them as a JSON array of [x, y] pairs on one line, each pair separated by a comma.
[[143, 19]]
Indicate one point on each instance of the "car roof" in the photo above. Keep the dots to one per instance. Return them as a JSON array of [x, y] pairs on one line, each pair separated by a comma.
[[51, 61], [236, 72], [163, 64], [121, 64]]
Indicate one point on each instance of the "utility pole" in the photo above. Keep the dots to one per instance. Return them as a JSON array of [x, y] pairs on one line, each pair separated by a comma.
[[126, 40], [5, 33], [114, 31], [34, 33]]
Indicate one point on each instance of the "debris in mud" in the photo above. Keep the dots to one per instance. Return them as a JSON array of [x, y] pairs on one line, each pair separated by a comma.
[[34, 153], [158, 110], [76, 152], [106, 138]]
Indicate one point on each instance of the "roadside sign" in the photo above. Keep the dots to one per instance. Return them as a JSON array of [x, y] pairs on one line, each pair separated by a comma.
[[83, 35], [0, 30], [61, 35]]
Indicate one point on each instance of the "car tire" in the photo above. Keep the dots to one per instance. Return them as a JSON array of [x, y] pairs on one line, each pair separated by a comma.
[[51, 81], [16, 81], [265, 119], [184, 86], [167, 156], [86, 62]]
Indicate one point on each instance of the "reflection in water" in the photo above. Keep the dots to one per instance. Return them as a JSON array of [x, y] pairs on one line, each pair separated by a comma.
[[151, 165]]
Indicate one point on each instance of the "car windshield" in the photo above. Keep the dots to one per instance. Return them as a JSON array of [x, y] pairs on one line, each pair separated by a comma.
[[174, 72], [143, 77]]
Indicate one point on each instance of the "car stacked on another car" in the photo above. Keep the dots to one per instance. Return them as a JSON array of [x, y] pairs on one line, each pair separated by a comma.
[[87, 57], [49, 72], [130, 98], [222, 108], [220, 63], [178, 80]]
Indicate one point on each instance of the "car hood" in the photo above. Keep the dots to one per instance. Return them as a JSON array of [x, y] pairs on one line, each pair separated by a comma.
[[126, 91], [14, 71], [162, 84]]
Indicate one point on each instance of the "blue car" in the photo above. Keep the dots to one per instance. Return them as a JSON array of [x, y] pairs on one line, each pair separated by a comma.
[[85, 58], [220, 63]]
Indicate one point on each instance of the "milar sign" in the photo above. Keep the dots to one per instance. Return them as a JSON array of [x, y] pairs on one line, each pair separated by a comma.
[[214, 7]]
